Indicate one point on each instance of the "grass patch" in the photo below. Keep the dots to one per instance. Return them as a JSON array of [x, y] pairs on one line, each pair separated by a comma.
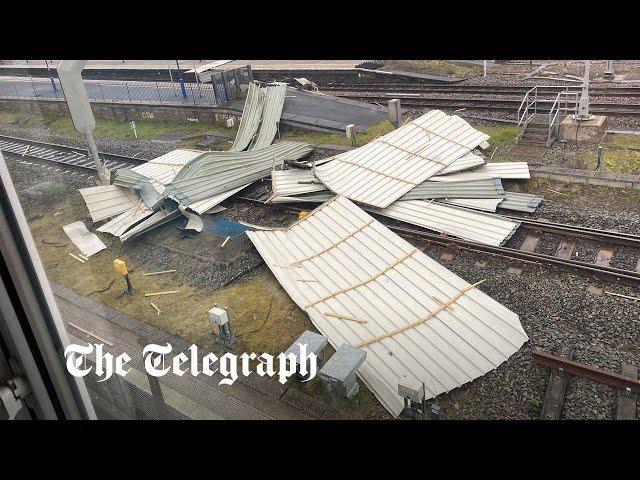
[[500, 136], [621, 155], [438, 67], [372, 132], [112, 128]]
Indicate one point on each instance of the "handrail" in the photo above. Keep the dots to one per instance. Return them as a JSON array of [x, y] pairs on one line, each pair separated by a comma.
[[553, 117], [523, 115]]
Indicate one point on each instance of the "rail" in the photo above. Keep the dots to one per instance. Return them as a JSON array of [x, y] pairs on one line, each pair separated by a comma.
[[556, 108], [523, 115]]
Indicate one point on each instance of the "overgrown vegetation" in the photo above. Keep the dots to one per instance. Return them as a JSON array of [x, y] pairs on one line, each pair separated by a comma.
[[438, 67], [500, 136], [318, 138], [63, 125]]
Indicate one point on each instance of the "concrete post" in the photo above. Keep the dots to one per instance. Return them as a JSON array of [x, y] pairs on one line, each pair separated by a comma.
[[583, 105], [395, 115], [351, 133]]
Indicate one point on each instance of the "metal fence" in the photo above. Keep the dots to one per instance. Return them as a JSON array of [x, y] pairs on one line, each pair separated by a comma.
[[171, 93]]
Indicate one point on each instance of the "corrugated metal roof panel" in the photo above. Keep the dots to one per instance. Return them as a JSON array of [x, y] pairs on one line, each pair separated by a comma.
[[159, 172], [218, 172], [273, 103], [207, 204], [126, 220], [460, 222], [470, 160], [295, 181], [250, 120], [106, 201], [158, 218], [318, 197], [483, 188], [511, 170], [484, 204], [521, 202], [386, 168], [340, 260], [299, 183]]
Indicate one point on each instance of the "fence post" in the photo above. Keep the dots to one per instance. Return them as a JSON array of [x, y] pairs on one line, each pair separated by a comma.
[[16, 89], [33, 87], [159, 95], [101, 91], [128, 92]]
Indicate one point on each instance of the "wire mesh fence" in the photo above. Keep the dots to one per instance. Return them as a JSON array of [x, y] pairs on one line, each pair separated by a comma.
[[174, 93]]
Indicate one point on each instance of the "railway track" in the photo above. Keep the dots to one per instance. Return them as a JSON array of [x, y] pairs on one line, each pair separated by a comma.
[[63, 154], [472, 103], [600, 271], [563, 367], [595, 91]]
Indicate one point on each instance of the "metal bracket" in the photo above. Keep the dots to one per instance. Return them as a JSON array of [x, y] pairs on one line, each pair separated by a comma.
[[11, 395]]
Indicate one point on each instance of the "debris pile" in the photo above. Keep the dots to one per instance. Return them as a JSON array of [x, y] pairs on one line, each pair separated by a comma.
[[191, 182], [430, 172]]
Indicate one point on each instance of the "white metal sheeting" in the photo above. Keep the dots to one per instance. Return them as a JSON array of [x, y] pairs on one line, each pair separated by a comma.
[[522, 202], [510, 170], [207, 204], [158, 218], [460, 222], [339, 264], [88, 243], [271, 113], [126, 220], [296, 181], [108, 200], [250, 120], [484, 204], [470, 160], [160, 171], [386, 168]]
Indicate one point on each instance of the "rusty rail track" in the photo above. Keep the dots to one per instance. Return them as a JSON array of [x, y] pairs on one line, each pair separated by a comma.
[[578, 369]]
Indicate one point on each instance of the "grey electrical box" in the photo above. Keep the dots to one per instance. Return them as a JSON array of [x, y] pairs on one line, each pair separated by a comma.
[[315, 344], [339, 373], [218, 316], [395, 113]]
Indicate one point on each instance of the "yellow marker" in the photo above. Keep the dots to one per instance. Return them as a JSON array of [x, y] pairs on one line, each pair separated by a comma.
[[121, 268], [302, 214]]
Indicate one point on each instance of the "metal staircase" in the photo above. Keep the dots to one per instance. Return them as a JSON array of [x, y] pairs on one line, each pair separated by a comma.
[[542, 128]]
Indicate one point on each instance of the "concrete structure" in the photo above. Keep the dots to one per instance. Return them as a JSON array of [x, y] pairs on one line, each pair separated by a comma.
[[583, 131], [339, 373], [315, 344]]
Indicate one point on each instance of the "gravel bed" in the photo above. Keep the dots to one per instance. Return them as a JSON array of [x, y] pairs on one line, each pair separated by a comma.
[[140, 148], [625, 258], [555, 310], [586, 205]]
